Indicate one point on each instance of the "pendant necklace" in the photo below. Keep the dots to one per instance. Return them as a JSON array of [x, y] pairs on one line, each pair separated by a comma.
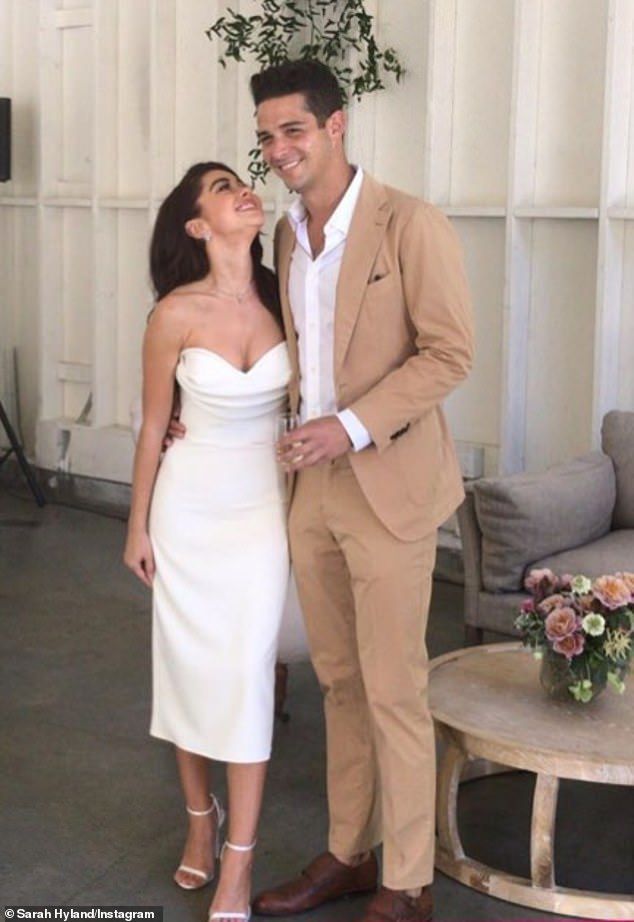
[[238, 296]]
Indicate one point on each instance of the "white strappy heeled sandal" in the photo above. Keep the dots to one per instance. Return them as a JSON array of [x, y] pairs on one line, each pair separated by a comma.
[[223, 914], [195, 872]]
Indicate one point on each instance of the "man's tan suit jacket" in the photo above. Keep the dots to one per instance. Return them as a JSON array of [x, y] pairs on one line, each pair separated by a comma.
[[403, 340]]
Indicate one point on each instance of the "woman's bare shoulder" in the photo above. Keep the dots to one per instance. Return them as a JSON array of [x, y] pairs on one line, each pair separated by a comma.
[[180, 300], [171, 318], [177, 307]]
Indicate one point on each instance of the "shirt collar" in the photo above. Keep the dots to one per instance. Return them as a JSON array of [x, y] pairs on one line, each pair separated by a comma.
[[341, 217]]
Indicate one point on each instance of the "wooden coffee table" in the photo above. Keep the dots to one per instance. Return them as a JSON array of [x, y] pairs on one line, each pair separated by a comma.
[[487, 704]]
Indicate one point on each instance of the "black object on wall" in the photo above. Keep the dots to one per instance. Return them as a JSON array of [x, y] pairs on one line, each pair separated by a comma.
[[5, 139]]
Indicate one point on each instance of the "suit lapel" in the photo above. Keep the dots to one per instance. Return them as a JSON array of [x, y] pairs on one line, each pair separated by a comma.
[[364, 238], [285, 244]]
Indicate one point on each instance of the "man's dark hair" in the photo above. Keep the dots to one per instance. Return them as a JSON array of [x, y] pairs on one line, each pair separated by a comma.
[[314, 80]]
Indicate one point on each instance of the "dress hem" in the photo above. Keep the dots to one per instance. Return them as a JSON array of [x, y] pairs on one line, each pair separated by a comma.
[[197, 751]]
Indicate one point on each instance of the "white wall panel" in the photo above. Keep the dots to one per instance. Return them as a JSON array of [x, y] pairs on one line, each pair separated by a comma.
[[629, 183], [75, 398], [569, 121], [196, 80], [133, 305], [226, 141], [474, 417], [245, 126], [163, 94], [482, 101], [401, 110], [133, 98], [77, 91], [77, 285], [107, 66], [51, 311], [6, 47], [561, 340], [625, 358]]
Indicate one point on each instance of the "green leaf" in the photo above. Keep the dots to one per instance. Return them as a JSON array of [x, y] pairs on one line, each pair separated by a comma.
[[581, 691], [616, 682]]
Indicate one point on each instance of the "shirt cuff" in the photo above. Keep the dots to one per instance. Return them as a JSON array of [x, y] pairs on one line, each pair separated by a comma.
[[358, 434]]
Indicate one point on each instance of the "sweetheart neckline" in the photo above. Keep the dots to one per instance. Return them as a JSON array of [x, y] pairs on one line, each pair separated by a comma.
[[239, 371]]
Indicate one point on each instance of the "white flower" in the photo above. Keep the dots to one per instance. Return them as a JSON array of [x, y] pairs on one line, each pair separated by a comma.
[[580, 585], [593, 624]]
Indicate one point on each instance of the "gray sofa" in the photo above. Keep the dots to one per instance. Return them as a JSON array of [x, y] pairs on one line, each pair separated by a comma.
[[576, 517]]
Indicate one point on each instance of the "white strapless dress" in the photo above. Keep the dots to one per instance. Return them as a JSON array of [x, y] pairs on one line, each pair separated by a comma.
[[218, 531]]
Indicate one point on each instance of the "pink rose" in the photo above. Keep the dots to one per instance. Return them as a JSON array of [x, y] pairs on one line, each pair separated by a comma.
[[551, 602], [569, 646], [527, 606], [611, 592], [628, 579], [536, 577], [561, 622]]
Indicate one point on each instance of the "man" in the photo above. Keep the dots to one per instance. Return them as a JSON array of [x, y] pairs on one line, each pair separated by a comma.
[[377, 317]]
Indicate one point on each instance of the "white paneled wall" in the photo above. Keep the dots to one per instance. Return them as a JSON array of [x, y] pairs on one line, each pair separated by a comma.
[[481, 91], [515, 116], [474, 410]]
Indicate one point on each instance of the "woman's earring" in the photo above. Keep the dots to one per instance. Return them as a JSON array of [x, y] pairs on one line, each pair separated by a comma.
[[206, 236]]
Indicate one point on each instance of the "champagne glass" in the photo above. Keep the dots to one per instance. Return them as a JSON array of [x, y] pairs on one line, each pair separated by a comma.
[[286, 422]]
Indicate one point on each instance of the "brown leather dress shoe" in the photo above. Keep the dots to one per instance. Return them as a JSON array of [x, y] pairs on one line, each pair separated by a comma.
[[326, 878], [397, 906]]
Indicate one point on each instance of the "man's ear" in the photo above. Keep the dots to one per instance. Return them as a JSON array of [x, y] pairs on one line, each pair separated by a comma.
[[337, 124]]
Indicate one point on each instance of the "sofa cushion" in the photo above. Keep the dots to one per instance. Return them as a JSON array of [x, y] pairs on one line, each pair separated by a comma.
[[617, 437], [613, 553], [526, 516]]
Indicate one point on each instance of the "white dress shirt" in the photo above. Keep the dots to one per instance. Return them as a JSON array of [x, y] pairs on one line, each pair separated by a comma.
[[312, 289]]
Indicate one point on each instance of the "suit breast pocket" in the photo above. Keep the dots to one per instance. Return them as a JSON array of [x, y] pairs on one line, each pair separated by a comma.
[[385, 288]]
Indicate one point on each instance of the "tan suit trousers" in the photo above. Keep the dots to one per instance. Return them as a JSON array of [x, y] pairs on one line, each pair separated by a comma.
[[365, 597]]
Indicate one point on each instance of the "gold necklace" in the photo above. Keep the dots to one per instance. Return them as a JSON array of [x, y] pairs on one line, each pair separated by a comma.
[[238, 296]]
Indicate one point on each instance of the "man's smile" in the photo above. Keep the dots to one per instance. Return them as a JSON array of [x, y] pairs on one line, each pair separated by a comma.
[[289, 165]]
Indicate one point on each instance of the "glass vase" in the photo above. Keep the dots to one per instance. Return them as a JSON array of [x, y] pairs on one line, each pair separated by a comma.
[[556, 677]]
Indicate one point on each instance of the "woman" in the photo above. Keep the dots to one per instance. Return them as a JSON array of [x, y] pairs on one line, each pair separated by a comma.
[[207, 528]]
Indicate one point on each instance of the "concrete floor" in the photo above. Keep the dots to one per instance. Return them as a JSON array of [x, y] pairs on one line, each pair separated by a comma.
[[92, 811]]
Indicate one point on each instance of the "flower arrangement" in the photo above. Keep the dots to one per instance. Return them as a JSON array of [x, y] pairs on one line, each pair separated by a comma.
[[583, 626]]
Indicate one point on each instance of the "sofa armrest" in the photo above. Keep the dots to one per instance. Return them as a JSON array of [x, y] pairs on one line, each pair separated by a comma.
[[472, 555]]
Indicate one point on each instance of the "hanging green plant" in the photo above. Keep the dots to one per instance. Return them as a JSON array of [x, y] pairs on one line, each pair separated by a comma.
[[337, 32]]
